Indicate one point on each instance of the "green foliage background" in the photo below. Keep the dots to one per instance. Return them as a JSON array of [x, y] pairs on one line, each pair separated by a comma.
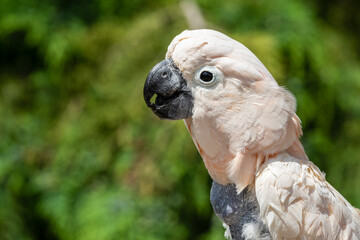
[[81, 157]]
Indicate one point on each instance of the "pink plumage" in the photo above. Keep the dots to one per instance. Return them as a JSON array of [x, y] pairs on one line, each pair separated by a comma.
[[247, 132]]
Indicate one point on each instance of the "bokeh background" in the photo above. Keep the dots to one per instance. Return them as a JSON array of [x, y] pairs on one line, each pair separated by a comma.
[[81, 157]]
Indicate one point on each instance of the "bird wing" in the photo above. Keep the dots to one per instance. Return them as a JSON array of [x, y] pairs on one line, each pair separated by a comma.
[[296, 202]]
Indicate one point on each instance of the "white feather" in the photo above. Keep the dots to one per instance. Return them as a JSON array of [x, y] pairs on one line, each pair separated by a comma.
[[246, 130], [296, 202]]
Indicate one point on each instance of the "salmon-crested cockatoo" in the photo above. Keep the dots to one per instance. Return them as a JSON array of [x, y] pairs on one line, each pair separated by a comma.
[[246, 130]]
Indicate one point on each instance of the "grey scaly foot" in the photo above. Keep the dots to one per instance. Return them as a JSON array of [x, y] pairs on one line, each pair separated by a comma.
[[240, 212]]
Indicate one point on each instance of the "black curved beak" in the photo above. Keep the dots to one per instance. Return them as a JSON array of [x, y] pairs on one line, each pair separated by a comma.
[[173, 99]]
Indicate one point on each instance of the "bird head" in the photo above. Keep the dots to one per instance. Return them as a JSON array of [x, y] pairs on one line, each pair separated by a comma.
[[232, 106]]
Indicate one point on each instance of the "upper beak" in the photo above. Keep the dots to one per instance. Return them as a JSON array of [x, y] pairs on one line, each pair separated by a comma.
[[173, 96]]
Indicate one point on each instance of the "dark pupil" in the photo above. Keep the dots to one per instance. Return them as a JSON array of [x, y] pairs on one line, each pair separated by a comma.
[[206, 76]]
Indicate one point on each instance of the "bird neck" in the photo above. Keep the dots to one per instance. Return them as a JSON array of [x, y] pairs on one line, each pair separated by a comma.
[[297, 150]]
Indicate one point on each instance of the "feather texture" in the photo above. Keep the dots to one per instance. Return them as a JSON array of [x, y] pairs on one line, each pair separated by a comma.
[[296, 202], [247, 132]]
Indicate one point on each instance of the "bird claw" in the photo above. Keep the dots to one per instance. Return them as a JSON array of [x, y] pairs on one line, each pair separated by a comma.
[[236, 210]]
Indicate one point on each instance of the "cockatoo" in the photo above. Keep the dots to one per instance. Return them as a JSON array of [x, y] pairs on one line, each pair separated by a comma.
[[246, 130]]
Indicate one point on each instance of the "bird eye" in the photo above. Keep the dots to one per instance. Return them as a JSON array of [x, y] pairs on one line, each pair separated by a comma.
[[208, 76]]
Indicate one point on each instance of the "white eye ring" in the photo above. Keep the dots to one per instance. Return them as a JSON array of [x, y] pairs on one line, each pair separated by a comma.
[[208, 76]]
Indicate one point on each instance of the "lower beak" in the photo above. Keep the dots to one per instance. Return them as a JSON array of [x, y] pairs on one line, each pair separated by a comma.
[[173, 98]]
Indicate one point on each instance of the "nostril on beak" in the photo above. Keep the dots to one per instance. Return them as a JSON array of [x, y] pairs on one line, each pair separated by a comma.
[[166, 92], [164, 74]]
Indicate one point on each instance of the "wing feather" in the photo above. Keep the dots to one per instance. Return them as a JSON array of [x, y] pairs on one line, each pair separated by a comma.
[[296, 202]]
